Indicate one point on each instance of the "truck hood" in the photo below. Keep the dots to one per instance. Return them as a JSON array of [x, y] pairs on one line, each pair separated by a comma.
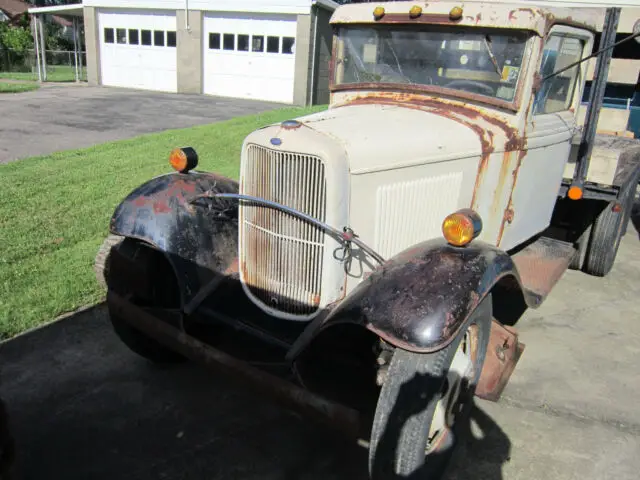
[[382, 137]]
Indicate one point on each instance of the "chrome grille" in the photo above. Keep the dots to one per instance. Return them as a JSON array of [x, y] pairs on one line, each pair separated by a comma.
[[282, 255]]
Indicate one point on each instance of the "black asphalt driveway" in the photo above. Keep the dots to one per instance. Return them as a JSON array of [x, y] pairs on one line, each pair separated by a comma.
[[61, 117], [84, 407]]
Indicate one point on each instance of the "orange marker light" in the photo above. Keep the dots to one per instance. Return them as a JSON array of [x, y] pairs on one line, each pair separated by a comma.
[[183, 159], [415, 11], [455, 13], [574, 193], [378, 13], [461, 227]]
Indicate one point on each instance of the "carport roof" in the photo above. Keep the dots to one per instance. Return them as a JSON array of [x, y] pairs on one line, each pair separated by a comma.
[[73, 10]]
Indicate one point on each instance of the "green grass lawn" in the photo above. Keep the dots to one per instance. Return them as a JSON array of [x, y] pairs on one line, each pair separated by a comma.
[[56, 73], [55, 210], [17, 87]]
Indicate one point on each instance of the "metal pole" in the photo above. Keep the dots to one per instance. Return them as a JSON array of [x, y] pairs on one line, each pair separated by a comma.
[[187, 23], [80, 62], [43, 49], [36, 38], [313, 55], [75, 47], [596, 96]]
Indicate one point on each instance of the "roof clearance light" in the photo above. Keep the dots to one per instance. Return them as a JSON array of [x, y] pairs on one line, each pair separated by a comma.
[[378, 13], [461, 227], [455, 13], [183, 159], [415, 11]]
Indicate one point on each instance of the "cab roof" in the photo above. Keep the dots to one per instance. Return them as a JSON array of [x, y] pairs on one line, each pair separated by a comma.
[[524, 16]]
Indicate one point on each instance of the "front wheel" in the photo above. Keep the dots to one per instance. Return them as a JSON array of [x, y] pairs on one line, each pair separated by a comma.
[[163, 294], [423, 400]]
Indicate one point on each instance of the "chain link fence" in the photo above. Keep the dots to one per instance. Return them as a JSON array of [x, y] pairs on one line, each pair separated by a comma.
[[60, 65]]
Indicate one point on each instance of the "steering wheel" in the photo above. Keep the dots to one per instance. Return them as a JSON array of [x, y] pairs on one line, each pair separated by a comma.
[[486, 89]]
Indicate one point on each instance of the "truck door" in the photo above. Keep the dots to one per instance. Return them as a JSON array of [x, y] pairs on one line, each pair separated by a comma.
[[550, 126]]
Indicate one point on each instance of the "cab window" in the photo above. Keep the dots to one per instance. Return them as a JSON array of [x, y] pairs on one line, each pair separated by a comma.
[[556, 93]]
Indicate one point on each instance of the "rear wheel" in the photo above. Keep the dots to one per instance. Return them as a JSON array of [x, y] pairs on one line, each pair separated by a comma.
[[606, 235], [424, 400], [164, 294], [101, 264]]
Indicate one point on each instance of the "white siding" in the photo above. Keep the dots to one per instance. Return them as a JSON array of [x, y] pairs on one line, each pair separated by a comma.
[[260, 6]]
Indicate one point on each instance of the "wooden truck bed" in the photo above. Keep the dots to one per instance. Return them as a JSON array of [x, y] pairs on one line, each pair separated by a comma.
[[612, 160]]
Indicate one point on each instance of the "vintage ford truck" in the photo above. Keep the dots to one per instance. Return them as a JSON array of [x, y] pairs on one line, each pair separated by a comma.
[[374, 258]]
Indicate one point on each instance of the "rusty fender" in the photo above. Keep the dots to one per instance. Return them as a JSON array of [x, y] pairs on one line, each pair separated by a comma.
[[419, 299], [198, 238]]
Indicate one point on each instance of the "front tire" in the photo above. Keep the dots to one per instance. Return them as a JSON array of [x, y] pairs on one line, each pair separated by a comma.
[[423, 400], [101, 262], [161, 273]]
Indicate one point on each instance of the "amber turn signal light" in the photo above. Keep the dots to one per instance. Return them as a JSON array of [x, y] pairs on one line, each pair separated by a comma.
[[455, 13], [415, 11], [183, 159], [574, 193], [378, 13], [461, 227]]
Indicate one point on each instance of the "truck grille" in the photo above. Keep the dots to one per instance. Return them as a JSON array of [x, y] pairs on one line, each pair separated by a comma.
[[281, 256]]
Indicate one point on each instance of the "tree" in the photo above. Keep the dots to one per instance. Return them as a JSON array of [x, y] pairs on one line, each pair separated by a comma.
[[15, 38]]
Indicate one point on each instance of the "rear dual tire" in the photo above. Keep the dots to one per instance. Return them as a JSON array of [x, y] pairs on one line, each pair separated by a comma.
[[598, 246]]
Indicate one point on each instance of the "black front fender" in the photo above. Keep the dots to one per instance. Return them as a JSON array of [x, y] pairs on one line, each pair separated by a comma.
[[419, 299], [199, 239]]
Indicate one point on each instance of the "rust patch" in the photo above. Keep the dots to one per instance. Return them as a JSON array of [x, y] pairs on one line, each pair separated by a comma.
[[530, 11], [509, 214], [233, 267], [468, 115], [537, 82], [448, 108], [503, 352], [542, 263], [418, 91], [482, 168], [505, 167], [450, 324], [161, 207], [521, 156], [243, 269]]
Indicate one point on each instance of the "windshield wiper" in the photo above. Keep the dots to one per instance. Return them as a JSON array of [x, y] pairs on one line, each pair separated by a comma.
[[487, 43]]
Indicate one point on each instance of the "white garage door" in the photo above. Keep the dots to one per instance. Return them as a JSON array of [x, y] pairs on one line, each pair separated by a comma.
[[138, 50], [250, 57]]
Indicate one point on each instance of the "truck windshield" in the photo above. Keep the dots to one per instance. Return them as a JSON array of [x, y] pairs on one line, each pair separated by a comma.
[[485, 62]]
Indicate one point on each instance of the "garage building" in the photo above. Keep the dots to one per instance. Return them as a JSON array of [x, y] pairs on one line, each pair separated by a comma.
[[256, 49]]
